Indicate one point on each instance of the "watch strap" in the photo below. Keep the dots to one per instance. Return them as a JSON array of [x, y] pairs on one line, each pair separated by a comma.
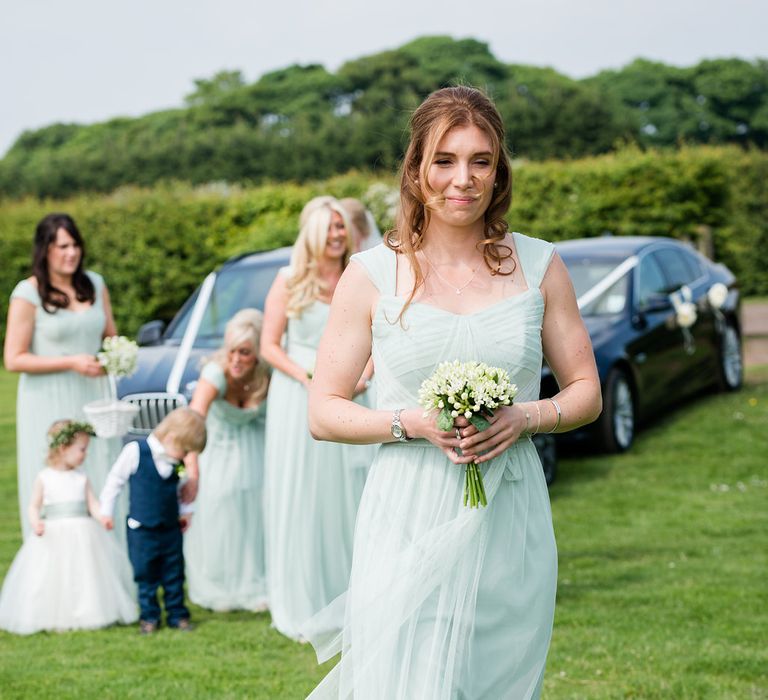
[[397, 429]]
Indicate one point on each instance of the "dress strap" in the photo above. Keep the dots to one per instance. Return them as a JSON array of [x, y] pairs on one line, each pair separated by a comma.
[[97, 279], [534, 255], [98, 288], [380, 263]]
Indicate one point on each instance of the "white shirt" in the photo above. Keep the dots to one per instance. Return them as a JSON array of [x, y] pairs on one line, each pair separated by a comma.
[[126, 464]]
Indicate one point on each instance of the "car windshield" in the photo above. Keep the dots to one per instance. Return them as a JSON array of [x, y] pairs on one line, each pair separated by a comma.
[[235, 288], [586, 273]]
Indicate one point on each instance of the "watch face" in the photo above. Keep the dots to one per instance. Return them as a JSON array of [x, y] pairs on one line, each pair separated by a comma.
[[397, 431]]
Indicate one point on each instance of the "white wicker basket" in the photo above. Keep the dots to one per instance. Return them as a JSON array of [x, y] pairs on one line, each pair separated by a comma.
[[110, 418]]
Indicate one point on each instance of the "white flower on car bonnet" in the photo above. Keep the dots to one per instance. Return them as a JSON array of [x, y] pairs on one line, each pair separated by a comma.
[[717, 295]]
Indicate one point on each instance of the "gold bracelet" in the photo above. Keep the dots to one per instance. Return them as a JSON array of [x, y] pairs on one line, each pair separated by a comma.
[[538, 421], [527, 430], [559, 415]]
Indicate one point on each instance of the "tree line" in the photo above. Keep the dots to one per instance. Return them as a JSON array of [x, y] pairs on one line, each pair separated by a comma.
[[305, 123]]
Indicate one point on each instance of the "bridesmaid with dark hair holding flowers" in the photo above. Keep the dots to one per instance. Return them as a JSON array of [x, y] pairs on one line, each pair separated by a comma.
[[57, 319]]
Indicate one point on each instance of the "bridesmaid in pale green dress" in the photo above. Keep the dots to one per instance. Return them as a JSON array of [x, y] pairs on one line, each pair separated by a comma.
[[57, 320], [311, 489], [447, 601], [224, 548]]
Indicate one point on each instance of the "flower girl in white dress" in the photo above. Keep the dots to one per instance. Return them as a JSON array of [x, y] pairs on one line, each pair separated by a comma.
[[72, 574]]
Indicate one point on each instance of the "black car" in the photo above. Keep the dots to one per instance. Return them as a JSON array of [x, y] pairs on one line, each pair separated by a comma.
[[664, 324], [170, 358]]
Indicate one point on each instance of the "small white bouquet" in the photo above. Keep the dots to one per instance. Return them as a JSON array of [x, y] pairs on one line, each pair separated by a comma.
[[685, 309], [685, 315], [717, 295], [110, 417], [473, 390], [118, 356]]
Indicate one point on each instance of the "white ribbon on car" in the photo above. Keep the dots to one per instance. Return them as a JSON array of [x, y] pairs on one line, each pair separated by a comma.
[[607, 282]]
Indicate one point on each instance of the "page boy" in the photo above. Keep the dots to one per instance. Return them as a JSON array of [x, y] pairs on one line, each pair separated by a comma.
[[156, 519]]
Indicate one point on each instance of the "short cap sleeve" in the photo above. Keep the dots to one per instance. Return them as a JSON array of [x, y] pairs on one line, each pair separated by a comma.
[[214, 374], [27, 291]]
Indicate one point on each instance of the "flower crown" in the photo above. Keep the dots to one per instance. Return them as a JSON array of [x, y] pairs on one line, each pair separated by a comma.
[[64, 436]]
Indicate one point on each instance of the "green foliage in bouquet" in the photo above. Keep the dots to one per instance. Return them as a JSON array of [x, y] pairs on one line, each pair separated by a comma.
[[472, 390]]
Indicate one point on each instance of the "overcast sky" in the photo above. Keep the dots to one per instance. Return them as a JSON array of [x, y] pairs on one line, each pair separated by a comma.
[[88, 60]]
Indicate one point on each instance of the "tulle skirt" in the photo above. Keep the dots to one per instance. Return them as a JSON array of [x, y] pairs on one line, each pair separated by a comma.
[[444, 602], [74, 576], [311, 494]]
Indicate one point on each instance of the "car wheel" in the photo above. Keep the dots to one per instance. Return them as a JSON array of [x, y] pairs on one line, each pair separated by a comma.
[[730, 375], [547, 449], [617, 422]]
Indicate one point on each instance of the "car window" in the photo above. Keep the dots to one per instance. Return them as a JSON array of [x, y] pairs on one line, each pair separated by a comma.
[[586, 273], [677, 268], [235, 288], [651, 281], [693, 262], [611, 301]]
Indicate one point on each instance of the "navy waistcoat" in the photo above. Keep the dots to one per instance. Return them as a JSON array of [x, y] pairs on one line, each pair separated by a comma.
[[153, 500]]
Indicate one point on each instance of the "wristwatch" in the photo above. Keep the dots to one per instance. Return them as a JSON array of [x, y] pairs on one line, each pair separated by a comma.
[[397, 429]]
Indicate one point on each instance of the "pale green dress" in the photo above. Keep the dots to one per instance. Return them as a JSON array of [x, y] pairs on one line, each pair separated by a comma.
[[224, 547], [447, 602], [45, 398], [311, 492]]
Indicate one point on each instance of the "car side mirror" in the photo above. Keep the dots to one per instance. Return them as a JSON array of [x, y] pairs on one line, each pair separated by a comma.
[[150, 333], [655, 303]]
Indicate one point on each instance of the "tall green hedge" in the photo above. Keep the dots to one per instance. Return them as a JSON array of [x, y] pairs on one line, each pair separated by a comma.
[[154, 246], [714, 197]]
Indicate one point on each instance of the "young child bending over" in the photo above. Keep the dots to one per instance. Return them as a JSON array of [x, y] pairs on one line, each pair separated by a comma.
[[71, 575], [156, 519]]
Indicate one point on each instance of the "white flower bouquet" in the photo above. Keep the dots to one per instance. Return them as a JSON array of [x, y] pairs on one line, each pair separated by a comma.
[[473, 390], [118, 356], [110, 417]]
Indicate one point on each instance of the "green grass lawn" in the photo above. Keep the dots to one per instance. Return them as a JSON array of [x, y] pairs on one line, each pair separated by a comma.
[[662, 590]]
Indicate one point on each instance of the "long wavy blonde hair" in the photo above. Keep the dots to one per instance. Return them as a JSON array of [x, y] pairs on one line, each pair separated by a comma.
[[305, 285], [442, 111], [245, 327]]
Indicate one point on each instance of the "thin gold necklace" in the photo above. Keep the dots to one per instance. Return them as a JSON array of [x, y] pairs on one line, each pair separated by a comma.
[[458, 290]]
